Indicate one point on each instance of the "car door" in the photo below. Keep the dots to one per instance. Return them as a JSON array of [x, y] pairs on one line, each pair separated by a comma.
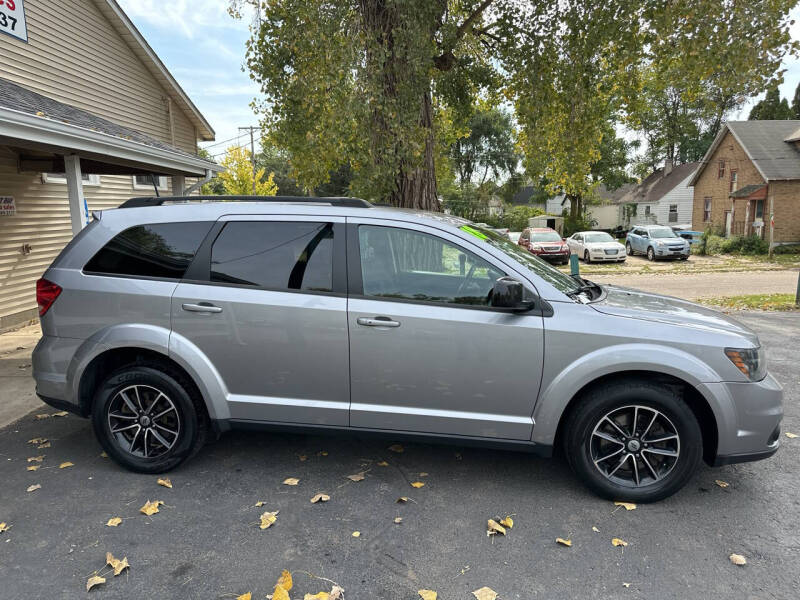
[[575, 244], [265, 302], [525, 239], [427, 352], [635, 238]]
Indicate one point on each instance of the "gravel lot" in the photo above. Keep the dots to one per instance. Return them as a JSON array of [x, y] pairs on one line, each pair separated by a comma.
[[205, 541]]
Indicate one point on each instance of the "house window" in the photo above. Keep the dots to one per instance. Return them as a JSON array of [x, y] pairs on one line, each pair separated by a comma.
[[759, 209], [142, 182], [706, 209], [734, 180], [62, 178], [721, 169], [673, 213], [647, 211]]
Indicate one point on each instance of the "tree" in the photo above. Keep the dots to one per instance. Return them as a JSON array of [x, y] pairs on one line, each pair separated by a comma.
[[796, 103], [237, 178], [488, 149], [771, 108], [366, 82]]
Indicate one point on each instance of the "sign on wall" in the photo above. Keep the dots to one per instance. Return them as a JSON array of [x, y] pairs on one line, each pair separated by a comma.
[[7, 206], [12, 19]]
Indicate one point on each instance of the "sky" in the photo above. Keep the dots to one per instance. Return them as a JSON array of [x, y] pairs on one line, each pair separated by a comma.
[[203, 47]]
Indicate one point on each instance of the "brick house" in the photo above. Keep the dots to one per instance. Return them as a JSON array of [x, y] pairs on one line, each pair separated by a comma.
[[751, 170]]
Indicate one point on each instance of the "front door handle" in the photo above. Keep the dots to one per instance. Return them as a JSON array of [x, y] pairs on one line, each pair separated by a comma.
[[202, 307], [377, 322]]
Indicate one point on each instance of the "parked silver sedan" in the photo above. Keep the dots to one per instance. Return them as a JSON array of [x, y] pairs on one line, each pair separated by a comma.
[[596, 246]]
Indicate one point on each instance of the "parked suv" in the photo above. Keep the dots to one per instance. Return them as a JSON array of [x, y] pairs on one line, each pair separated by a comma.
[[545, 243], [165, 320], [657, 241]]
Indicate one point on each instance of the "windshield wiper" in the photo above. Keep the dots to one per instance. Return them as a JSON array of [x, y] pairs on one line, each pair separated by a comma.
[[586, 287]]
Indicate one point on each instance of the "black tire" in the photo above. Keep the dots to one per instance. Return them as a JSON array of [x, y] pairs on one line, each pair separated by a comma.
[[651, 254], [186, 412], [628, 249], [586, 257], [684, 258], [580, 440]]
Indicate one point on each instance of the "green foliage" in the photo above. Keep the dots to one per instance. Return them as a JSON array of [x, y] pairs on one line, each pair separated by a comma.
[[772, 107], [580, 222], [469, 201], [787, 249], [739, 244], [796, 103], [488, 149], [516, 218]]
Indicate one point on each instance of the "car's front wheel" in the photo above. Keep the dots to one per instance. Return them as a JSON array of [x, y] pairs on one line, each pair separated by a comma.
[[633, 440], [651, 254], [586, 258], [628, 248], [147, 418]]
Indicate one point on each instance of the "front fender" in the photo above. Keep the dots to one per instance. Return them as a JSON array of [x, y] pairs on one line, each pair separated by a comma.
[[555, 397]]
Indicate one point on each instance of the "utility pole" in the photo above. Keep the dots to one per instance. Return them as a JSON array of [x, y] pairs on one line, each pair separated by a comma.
[[251, 129]]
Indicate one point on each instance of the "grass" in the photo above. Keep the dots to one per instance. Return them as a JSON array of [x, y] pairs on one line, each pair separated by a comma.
[[781, 302]]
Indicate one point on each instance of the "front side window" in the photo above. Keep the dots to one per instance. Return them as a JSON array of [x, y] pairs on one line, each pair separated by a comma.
[[158, 250], [407, 264], [275, 255]]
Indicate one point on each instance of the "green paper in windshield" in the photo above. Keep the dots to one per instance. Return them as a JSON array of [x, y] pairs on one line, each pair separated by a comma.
[[475, 232]]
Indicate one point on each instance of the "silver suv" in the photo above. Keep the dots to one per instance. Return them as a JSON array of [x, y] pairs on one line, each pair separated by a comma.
[[167, 319]]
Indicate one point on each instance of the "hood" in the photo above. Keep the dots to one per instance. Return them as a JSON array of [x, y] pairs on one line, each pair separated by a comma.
[[604, 245], [625, 302]]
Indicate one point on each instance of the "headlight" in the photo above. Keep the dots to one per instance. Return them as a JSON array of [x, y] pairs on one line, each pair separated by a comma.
[[660, 243], [750, 361]]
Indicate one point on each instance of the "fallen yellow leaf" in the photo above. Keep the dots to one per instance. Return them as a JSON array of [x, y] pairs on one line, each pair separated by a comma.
[[720, 483], [417, 484], [165, 482], [402, 499], [37, 441], [396, 448], [303, 458], [398, 520], [260, 503], [36, 458], [427, 594], [383, 463], [619, 542], [280, 594], [738, 559], [564, 542], [320, 498], [151, 508], [317, 596], [285, 580], [117, 564], [40, 417], [791, 435], [291, 481], [93, 581], [246, 596], [4, 527], [33, 467], [33, 488], [356, 534], [62, 413], [493, 528], [322, 453], [267, 519], [627, 505], [65, 465], [113, 522], [507, 522], [43, 446], [485, 593], [357, 476]]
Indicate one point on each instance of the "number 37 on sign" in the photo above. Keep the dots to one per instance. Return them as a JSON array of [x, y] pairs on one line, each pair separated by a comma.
[[12, 19]]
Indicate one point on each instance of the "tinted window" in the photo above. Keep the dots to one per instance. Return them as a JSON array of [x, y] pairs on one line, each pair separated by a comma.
[[160, 250], [401, 263], [663, 232], [275, 255]]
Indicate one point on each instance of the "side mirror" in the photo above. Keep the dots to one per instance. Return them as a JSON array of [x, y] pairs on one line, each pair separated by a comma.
[[507, 293]]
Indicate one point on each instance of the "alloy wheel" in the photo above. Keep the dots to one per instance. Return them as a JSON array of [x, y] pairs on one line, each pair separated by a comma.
[[651, 255], [628, 249], [634, 446], [144, 421]]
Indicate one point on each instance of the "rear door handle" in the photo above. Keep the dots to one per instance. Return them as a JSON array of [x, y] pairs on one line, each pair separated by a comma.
[[202, 307], [377, 322]]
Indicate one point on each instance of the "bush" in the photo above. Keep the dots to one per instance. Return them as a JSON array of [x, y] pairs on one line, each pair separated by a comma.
[[787, 249], [579, 223], [713, 244], [738, 244]]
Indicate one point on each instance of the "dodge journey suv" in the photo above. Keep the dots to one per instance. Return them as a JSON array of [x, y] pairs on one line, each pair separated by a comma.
[[169, 319]]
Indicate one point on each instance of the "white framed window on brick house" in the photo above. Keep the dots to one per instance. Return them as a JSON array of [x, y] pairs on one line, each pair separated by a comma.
[[145, 182], [62, 178], [706, 209]]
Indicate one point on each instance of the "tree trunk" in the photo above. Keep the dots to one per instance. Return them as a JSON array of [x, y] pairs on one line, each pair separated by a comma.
[[416, 186]]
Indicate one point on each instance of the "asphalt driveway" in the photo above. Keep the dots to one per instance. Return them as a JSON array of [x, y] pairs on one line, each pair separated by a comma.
[[206, 543]]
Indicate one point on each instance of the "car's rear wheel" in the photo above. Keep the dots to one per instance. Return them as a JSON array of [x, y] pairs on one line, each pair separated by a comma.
[[634, 440], [628, 249], [147, 418], [651, 254]]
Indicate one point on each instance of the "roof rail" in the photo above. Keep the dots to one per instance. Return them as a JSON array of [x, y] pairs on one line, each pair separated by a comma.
[[159, 201]]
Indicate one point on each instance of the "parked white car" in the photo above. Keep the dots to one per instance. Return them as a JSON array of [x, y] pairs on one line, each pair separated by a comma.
[[596, 246]]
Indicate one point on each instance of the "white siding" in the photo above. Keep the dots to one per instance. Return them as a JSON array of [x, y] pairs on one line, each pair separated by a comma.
[[683, 196]]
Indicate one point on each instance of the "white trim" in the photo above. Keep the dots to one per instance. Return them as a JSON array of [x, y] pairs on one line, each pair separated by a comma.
[[162, 183], [94, 180], [24, 126]]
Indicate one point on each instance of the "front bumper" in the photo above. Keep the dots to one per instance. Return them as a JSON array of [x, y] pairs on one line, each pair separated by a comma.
[[603, 257], [553, 256], [666, 252], [748, 419]]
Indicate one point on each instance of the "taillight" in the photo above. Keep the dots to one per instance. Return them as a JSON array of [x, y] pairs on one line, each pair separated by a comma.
[[46, 294]]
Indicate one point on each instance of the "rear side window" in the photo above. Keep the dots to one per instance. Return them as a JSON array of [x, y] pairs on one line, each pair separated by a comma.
[[158, 250], [275, 255]]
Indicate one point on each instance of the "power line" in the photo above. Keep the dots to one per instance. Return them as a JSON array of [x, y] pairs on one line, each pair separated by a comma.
[[223, 141]]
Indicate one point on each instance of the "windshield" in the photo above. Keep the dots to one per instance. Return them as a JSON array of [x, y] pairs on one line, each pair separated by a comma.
[[600, 236], [545, 236], [664, 232], [560, 281]]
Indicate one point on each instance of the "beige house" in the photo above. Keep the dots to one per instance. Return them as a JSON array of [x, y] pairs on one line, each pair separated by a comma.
[[89, 117]]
